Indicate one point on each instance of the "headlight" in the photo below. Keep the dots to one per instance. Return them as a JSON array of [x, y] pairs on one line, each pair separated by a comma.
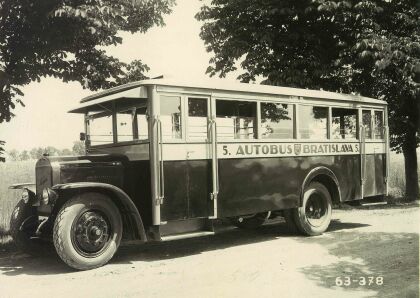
[[48, 196], [25, 195]]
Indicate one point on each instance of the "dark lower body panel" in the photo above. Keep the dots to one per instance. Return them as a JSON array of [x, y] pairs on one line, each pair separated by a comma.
[[260, 184]]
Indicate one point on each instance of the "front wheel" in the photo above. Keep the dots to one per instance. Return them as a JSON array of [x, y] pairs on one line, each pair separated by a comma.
[[314, 217], [87, 231], [23, 224]]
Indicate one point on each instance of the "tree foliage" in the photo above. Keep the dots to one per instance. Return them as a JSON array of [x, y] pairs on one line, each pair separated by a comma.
[[38, 152], [65, 39], [370, 48], [79, 148]]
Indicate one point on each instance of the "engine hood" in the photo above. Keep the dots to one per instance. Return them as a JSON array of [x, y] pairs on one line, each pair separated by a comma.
[[105, 168]]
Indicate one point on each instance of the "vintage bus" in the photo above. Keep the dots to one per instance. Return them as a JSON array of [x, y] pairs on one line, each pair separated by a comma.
[[166, 160]]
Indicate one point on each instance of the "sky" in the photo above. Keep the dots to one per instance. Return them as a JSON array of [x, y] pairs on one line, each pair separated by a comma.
[[174, 50]]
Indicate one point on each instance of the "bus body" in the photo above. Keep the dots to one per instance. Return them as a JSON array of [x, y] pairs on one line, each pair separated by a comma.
[[175, 157]]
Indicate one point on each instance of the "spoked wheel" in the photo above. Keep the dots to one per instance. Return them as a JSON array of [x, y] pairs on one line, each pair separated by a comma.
[[250, 221], [91, 233], [314, 217], [87, 231]]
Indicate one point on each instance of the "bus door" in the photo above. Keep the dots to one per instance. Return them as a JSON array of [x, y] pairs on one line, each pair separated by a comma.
[[200, 142], [185, 157], [373, 153]]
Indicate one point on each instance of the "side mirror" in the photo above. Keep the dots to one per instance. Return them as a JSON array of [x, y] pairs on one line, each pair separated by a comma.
[[82, 136]]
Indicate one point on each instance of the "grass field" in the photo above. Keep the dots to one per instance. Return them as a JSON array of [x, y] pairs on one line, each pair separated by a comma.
[[11, 173], [24, 171]]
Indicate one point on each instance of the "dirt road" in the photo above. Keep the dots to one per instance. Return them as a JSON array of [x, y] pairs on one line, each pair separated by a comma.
[[373, 253]]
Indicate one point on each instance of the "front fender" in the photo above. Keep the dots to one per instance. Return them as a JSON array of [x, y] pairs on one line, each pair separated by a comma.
[[30, 187], [122, 200]]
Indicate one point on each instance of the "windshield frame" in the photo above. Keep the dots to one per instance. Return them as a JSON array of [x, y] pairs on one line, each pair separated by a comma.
[[113, 112]]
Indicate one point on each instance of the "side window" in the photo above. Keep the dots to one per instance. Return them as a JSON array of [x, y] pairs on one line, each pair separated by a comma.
[[344, 123], [367, 123], [170, 115], [313, 122], [236, 119], [142, 127], [379, 124], [101, 130], [125, 125], [276, 120], [197, 119]]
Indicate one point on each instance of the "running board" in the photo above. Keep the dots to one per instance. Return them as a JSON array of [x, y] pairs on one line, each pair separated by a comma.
[[186, 235], [374, 204]]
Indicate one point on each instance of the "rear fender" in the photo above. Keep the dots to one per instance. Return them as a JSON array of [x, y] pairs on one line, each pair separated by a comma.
[[326, 177]]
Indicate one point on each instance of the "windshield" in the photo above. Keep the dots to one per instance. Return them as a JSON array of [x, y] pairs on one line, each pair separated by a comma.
[[100, 130], [125, 125]]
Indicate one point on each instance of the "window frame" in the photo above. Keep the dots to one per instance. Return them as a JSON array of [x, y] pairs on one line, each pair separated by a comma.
[[371, 122], [136, 126], [258, 119], [133, 123], [295, 101], [95, 116], [318, 140], [372, 110], [374, 125], [294, 122], [114, 112], [182, 118], [187, 133], [358, 121]]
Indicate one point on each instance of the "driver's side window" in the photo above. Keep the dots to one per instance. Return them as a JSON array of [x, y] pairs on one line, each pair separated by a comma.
[[141, 123], [132, 124]]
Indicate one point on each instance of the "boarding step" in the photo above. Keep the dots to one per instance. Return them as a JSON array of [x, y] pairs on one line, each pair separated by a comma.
[[374, 204], [187, 235], [372, 201], [178, 227]]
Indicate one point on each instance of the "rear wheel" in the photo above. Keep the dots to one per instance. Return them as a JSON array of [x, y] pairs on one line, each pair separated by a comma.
[[87, 231], [314, 217], [250, 221]]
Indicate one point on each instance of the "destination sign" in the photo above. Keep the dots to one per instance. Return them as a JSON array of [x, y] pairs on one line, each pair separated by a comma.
[[286, 149]]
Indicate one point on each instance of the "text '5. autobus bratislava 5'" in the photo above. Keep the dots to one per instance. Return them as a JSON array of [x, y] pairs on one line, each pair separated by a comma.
[[167, 160]]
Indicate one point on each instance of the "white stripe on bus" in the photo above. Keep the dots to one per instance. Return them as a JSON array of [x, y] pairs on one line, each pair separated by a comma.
[[262, 150]]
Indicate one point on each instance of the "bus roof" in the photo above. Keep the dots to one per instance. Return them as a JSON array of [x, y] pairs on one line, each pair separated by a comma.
[[135, 90]]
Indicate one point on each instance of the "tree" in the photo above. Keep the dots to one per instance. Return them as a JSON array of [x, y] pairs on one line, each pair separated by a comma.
[[65, 39], [367, 47], [2, 159], [24, 155], [79, 148], [51, 151], [36, 152], [65, 152], [13, 154]]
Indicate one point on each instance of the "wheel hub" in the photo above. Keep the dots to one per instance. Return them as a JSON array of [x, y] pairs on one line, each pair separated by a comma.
[[91, 232], [316, 210]]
